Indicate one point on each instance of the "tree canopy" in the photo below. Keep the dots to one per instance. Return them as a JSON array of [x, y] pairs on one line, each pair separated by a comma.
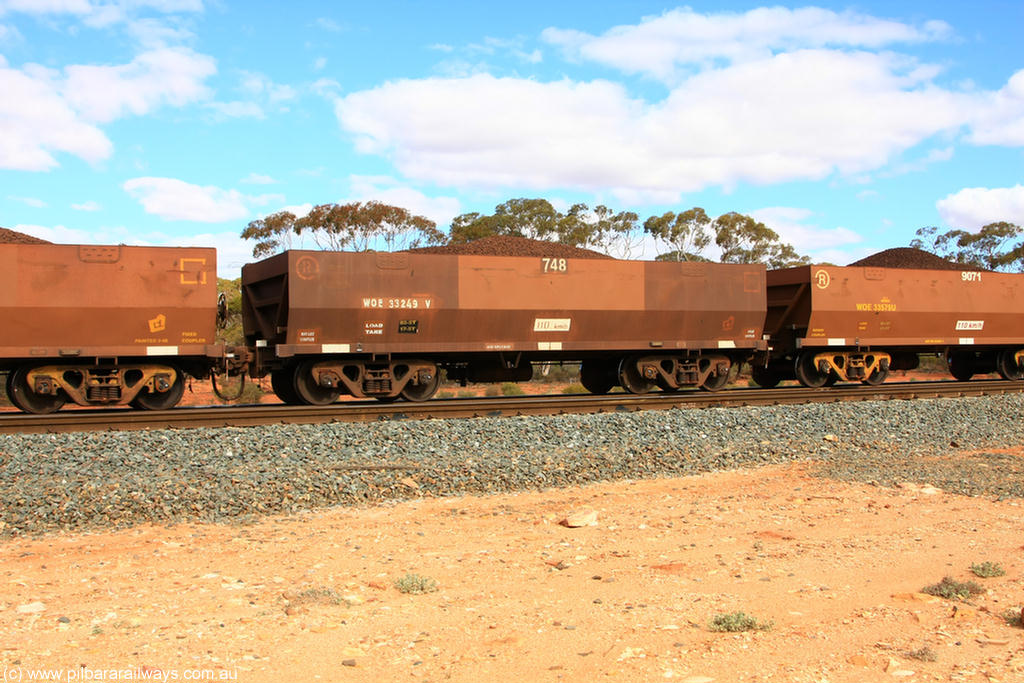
[[740, 238], [356, 226], [598, 228], [684, 236], [996, 246]]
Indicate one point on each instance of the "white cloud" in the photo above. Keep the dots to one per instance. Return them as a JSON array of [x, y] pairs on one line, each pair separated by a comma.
[[43, 111], [28, 201], [176, 200], [974, 207], [794, 116], [658, 46], [298, 210], [441, 210], [1000, 119], [260, 85], [822, 244], [172, 76], [36, 121], [89, 205]]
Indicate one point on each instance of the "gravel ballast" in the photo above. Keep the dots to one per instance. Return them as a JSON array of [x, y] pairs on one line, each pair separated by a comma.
[[97, 480]]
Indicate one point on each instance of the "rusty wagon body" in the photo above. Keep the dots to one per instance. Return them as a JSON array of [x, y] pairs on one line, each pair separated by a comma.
[[385, 324], [103, 325], [858, 323]]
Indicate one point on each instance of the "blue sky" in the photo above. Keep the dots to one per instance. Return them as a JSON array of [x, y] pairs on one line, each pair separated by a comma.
[[844, 127]]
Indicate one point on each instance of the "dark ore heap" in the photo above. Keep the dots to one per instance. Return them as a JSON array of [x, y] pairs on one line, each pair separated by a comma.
[[508, 245], [12, 237], [908, 257]]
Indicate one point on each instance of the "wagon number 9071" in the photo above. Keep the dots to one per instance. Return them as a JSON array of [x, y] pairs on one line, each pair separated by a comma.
[[970, 276], [554, 265]]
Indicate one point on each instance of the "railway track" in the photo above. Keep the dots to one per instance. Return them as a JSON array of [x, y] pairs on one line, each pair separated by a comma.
[[366, 411]]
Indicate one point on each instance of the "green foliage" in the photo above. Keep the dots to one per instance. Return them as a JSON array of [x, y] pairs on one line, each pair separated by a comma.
[[355, 226], [996, 246], [740, 238], [1014, 616], [492, 390], [446, 393], [414, 584], [511, 389], [951, 589], [599, 228], [576, 388], [251, 394], [467, 393], [734, 622], [230, 331], [568, 372], [744, 240], [686, 234], [987, 570]]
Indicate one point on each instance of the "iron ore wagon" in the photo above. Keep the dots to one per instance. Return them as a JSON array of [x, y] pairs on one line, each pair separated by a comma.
[[385, 325], [105, 325]]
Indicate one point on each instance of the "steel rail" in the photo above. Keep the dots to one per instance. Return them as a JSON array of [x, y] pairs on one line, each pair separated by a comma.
[[369, 411]]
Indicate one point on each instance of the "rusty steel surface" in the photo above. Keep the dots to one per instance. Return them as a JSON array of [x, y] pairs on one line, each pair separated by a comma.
[[854, 306], [71, 301], [371, 411], [338, 303]]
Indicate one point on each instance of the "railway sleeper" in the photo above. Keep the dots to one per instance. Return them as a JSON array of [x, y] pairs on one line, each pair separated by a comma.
[[152, 385]]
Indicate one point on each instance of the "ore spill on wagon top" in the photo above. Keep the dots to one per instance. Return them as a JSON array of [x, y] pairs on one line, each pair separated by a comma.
[[511, 245], [909, 257], [12, 237]]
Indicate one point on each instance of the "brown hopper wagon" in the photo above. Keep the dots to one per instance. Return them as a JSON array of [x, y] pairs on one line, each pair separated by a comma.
[[385, 325], [828, 323], [105, 325]]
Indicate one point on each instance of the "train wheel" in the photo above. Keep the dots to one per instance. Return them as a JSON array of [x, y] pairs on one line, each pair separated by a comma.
[[283, 383], [22, 396], [1006, 365], [161, 400], [597, 376], [631, 379], [765, 378], [308, 390], [807, 372], [424, 390], [961, 365], [877, 377], [716, 381]]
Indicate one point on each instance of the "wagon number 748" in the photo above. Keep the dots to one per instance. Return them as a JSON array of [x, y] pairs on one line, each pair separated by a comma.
[[554, 265]]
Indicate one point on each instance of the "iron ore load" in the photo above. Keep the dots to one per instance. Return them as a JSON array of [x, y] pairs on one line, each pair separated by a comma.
[[385, 325]]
